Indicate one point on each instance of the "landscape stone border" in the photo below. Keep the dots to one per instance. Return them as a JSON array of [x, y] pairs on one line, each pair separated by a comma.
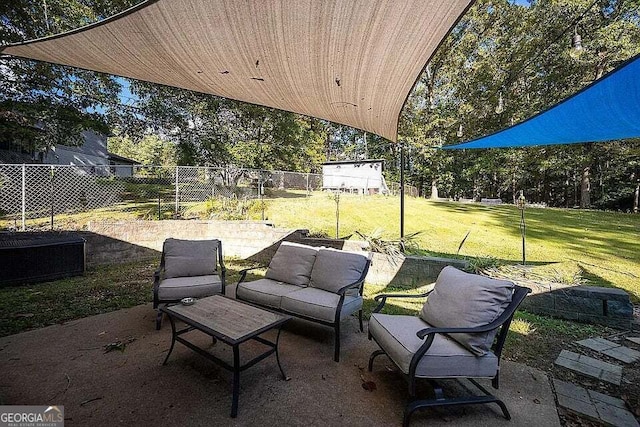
[[590, 304]]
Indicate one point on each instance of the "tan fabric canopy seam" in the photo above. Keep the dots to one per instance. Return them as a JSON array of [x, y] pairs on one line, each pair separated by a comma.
[[352, 62]]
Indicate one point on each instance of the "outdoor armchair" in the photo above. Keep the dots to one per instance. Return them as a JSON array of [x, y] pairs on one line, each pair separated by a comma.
[[188, 268], [459, 334]]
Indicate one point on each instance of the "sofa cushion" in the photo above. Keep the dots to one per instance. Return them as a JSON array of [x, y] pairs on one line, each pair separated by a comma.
[[446, 358], [292, 264], [461, 299], [318, 304], [265, 291], [183, 258], [335, 269], [194, 287]]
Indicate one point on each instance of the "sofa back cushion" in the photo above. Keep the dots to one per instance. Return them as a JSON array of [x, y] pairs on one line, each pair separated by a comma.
[[465, 300], [292, 264], [334, 269], [184, 258]]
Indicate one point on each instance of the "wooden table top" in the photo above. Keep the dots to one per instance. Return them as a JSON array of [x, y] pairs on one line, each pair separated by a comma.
[[227, 319]]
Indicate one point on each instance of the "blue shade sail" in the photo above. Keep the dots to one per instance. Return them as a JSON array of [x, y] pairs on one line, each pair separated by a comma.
[[606, 110]]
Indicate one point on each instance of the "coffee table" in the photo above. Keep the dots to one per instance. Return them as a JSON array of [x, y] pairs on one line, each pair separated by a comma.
[[232, 322]]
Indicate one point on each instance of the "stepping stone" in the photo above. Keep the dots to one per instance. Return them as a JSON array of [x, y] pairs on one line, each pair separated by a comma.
[[635, 340], [590, 367], [575, 399], [612, 411], [611, 349], [591, 404]]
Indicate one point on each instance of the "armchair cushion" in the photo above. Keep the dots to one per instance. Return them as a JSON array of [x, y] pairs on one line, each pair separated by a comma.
[[188, 258], [335, 269], [446, 358], [320, 305], [292, 263], [461, 299], [195, 287]]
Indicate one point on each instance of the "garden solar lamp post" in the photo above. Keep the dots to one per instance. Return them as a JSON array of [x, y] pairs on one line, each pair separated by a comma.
[[336, 198], [521, 203]]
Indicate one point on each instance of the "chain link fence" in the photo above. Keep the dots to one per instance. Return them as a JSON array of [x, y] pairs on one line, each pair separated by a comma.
[[30, 192], [47, 193]]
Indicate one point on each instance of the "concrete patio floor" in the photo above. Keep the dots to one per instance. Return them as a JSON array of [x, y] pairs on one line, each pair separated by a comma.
[[66, 365]]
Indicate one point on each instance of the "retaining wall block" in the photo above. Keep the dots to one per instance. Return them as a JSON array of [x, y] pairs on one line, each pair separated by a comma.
[[591, 306], [620, 309]]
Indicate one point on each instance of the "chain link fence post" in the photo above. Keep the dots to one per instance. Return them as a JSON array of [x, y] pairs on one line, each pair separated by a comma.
[[177, 202], [24, 195], [52, 193]]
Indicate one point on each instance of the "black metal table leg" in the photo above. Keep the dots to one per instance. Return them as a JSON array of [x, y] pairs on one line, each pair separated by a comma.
[[173, 338], [284, 376], [178, 313], [236, 381]]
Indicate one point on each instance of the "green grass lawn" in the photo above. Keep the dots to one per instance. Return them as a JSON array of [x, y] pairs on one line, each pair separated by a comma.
[[599, 248], [603, 248], [102, 289]]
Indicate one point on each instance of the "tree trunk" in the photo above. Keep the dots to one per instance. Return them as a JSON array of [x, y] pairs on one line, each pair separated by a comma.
[[636, 198], [494, 185], [513, 185], [566, 189], [434, 189], [585, 189], [546, 189], [575, 188]]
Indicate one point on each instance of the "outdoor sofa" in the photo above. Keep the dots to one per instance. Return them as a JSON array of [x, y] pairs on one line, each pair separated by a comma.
[[316, 284]]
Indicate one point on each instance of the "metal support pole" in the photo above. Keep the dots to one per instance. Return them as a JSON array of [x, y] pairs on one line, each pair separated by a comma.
[[337, 214], [402, 190], [24, 196]]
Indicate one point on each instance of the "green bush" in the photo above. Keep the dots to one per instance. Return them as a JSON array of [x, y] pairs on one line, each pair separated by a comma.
[[479, 264], [229, 209]]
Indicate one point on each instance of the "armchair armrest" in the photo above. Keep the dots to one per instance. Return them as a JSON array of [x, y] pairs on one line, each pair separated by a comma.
[[501, 321], [470, 330], [243, 272], [382, 299], [506, 315], [157, 275], [353, 285]]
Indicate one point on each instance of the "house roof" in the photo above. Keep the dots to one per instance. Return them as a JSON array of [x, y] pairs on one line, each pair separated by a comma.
[[122, 159], [352, 62]]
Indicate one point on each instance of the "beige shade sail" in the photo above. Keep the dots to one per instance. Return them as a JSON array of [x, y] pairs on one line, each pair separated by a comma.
[[352, 62]]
